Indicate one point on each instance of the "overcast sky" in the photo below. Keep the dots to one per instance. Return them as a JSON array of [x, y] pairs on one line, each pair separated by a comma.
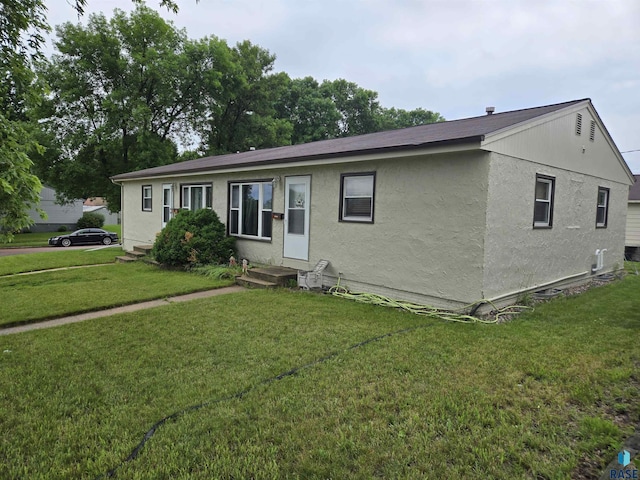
[[455, 57]]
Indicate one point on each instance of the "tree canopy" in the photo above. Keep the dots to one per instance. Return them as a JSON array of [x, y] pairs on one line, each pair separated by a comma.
[[133, 91], [21, 27]]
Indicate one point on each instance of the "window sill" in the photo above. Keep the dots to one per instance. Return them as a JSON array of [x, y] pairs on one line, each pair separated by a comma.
[[249, 237], [355, 220], [542, 227]]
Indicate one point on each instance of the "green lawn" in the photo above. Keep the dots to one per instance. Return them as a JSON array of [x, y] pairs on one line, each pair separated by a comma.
[[551, 394], [53, 294], [32, 262], [42, 239]]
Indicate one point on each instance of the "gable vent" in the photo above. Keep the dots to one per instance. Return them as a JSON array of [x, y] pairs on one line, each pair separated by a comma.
[[579, 124], [592, 131]]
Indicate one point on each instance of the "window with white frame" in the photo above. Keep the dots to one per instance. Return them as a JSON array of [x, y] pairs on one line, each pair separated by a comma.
[[602, 209], [195, 197], [357, 197], [543, 209], [250, 208], [146, 198]]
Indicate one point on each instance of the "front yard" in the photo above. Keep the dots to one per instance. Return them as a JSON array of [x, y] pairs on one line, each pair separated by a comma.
[[47, 295], [551, 394]]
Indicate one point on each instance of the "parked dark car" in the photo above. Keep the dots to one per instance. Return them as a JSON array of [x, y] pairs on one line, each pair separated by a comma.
[[86, 236]]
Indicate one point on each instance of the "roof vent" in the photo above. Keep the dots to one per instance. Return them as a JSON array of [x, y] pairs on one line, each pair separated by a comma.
[[490, 110], [578, 124]]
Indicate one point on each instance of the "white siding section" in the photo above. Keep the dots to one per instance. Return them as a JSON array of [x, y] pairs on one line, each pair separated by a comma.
[[554, 142], [633, 225]]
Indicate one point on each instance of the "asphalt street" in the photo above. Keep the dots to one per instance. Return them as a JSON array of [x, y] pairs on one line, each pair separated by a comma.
[[4, 252]]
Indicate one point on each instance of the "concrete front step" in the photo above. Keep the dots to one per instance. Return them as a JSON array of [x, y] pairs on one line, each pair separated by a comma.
[[251, 282], [125, 259], [139, 252], [144, 249], [281, 276]]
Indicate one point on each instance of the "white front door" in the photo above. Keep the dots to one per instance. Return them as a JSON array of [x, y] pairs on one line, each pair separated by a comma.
[[296, 217], [167, 203]]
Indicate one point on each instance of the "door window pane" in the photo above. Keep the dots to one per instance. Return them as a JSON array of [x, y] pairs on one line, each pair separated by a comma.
[[296, 222], [296, 195]]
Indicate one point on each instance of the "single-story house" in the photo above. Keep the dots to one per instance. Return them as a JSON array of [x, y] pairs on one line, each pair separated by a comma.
[[633, 222], [58, 216], [445, 214]]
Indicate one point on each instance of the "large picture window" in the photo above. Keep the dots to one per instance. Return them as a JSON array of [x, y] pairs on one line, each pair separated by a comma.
[[357, 196], [543, 210], [195, 197], [602, 209], [146, 198], [250, 207]]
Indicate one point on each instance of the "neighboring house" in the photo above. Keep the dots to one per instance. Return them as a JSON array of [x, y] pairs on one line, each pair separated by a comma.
[[445, 214], [58, 216], [633, 222]]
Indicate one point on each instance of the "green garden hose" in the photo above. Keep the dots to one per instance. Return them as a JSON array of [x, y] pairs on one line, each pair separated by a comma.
[[427, 310]]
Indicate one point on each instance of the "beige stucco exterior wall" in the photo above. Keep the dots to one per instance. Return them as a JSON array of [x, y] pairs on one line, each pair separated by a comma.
[[633, 225], [517, 256], [427, 242]]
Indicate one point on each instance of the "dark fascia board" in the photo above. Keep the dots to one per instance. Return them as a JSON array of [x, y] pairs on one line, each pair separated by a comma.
[[384, 150]]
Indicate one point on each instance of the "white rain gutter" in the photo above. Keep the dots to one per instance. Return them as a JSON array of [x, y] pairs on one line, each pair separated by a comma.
[[536, 287]]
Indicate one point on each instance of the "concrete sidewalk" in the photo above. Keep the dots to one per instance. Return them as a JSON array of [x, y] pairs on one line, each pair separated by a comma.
[[125, 309]]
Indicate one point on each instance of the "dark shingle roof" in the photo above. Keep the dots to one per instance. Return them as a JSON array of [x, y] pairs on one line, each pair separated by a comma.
[[455, 131], [634, 191]]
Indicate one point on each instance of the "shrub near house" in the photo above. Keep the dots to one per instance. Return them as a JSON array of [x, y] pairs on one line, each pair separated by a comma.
[[192, 238], [91, 220]]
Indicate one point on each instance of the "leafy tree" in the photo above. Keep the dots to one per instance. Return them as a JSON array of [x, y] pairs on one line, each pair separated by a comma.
[[340, 109], [193, 238], [313, 116], [123, 92], [392, 118], [21, 27], [242, 111], [357, 106]]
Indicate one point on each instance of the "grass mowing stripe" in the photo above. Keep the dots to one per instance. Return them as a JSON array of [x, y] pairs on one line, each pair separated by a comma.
[[239, 395]]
